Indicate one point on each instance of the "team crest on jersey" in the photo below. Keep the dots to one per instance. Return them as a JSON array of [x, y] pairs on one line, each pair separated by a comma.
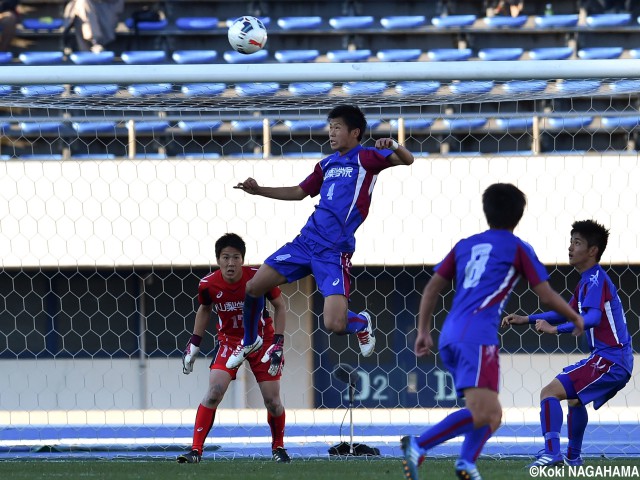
[[593, 279]]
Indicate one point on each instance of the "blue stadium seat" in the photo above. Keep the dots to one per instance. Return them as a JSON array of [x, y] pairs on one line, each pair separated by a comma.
[[196, 89], [197, 23], [578, 86], [349, 55], [266, 21], [41, 156], [89, 90], [94, 127], [90, 58], [364, 88], [374, 123], [41, 58], [199, 156], [5, 57], [185, 57], [454, 21], [144, 57], [524, 86], [417, 87], [490, 54], [299, 23], [245, 125], [5, 89], [401, 22], [599, 53], [471, 87], [310, 88], [503, 21], [41, 90], [569, 122], [347, 23], [556, 21], [246, 155], [43, 23], [257, 89], [613, 122], [296, 56], [93, 156], [625, 86], [147, 26], [142, 89], [41, 127], [5, 157], [199, 125], [464, 124], [150, 126], [634, 52], [298, 125], [413, 123], [551, 53], [150, 156], [449, 54], [609, 20], [524, 123], [399, 55], [232, 56]]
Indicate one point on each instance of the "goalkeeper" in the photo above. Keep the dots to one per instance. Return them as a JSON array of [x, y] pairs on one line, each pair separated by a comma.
[[224, 292]]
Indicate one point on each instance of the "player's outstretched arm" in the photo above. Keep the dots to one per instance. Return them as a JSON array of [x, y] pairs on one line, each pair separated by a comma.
[[279, 193], [430, 296], [513, 319], [553, 300], [193, 347], [400, 155]]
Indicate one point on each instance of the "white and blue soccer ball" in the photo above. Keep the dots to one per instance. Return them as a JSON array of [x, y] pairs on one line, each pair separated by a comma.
[[247, 35]]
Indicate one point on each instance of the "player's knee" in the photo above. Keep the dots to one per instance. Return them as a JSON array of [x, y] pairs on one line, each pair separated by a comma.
[[335, 324], [274, 406], [549, 392]]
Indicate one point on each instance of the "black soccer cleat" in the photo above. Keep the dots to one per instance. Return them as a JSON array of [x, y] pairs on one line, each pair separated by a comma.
[[280, 455], [192, 457]]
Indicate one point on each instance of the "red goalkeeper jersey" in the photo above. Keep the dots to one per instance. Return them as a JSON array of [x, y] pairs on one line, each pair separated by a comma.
[[228, 299]]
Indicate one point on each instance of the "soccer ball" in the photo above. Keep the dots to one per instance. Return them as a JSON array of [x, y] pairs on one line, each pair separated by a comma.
[[247, 35]]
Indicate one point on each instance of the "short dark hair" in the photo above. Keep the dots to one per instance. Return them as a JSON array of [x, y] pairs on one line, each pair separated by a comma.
[[230, 240], [594, 233], [503, 205], [352, 116]]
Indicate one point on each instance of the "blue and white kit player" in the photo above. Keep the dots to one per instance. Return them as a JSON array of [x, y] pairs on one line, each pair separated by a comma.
[[344, 181]]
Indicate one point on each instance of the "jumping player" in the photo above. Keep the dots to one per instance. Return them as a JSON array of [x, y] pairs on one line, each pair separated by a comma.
[[224, 291], [486, 267], [609, 367], [344, 181]]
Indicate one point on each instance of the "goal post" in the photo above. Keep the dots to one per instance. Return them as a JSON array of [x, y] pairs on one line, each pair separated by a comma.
[[104, 242]]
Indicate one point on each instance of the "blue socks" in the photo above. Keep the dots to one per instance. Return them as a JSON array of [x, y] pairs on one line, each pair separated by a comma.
[[456, 424], [551, 422], [577, 420], [355, 323], [474, 442], [251, 313]]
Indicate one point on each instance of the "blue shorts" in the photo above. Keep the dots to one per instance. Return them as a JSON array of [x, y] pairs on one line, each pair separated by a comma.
[[303, 257], [472, 365], [594, 379]]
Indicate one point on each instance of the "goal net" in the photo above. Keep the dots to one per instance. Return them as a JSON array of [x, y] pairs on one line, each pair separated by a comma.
[[116, 182]]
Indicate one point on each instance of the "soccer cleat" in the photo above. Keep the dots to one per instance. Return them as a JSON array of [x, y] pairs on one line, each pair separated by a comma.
[[280, 455], [241, 353], [366, 339], [410, 457], [192, 457], [573, 462], [547, 460], [467, 471]]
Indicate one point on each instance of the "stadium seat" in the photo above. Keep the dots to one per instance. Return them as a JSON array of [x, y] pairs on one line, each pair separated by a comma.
[[417, 87], [298, 125], [147, 26], [503, 21], [197, 23], [551, 53], [144, 57], [89, 90], [142, 89], [310, 88], [41, 127], [196, 89], [413, 123], [94, 127], [5, 89], [556, 21], [90, 58], [299, 23], [247, 155], [625, 86], [471, 87], [613, 122], [465, 124], [186, 57], [41, 90], [490, 54], [41, 58], [599, 53], [199, 125], [523, 123], [348, 23], [524, 86], [401, 22], [93, 156], [244, 125], [257, 89], [454, 21], [449, 54], [5, 57], [150, 126], [266, 21], [374, 123], [296, 56], [199, 156], [232, 56], [41, 156], [399, 55], [349, 55], [150, 156], [364, 88], [43, 23], [569, 122], [578, 86], [608, 20]]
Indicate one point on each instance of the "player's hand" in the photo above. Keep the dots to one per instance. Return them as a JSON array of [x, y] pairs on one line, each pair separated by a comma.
[[389, 143], [249, 185], [579, 326], [275, 355], [189, 358], [543, 326], [513, 319], [423, 345]]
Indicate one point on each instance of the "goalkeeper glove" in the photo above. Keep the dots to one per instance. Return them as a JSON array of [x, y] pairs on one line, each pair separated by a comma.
[[190, 353], [275, 354]]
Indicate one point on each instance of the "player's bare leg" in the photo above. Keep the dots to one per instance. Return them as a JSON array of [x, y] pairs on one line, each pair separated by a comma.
[[336, 319]]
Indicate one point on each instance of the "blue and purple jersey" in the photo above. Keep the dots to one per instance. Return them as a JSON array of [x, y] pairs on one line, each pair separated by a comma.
[[486, 267], [345, 184]]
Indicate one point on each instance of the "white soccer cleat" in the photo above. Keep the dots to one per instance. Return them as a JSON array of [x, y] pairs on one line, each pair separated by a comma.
[[366, 339], [241, 353]]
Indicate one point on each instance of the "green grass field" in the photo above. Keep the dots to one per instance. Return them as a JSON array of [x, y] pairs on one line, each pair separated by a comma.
[[439, 469]]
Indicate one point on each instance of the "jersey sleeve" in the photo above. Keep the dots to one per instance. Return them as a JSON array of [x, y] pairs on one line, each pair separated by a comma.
[[596, 295], [528, 265], [374, 160], [312, 184], [447, 267], [204, 295]]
